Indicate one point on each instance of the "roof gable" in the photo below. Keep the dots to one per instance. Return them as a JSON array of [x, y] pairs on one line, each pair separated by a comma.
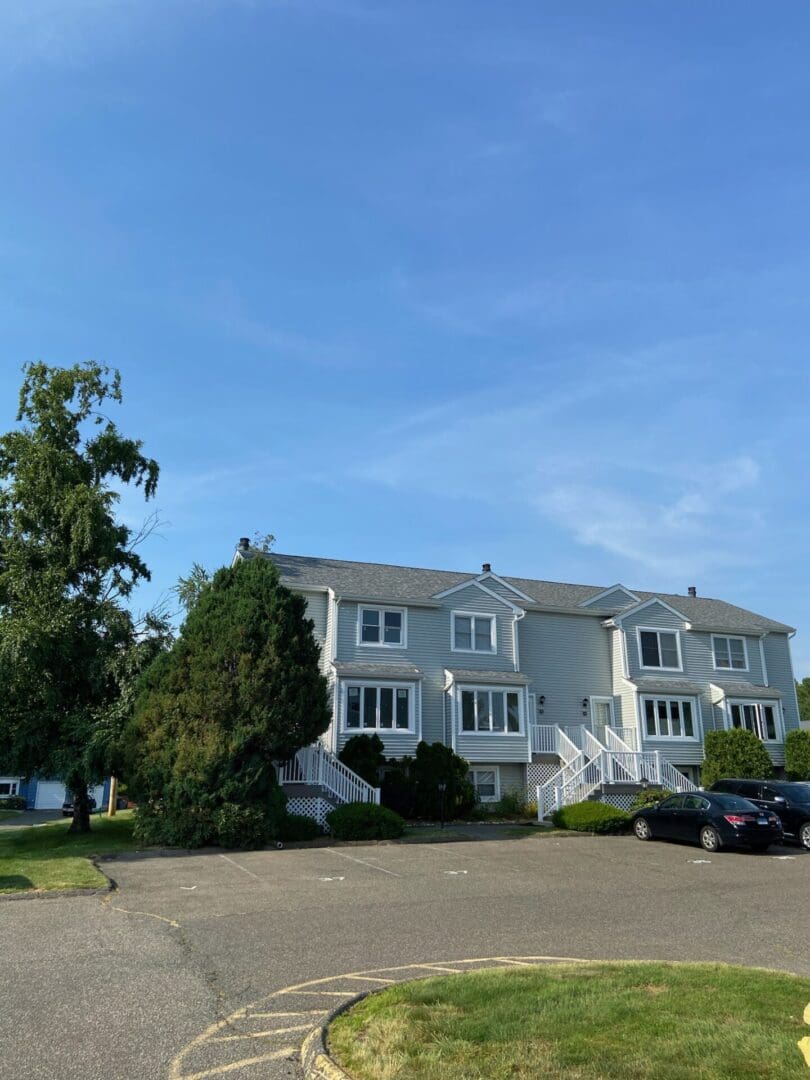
[[477, 583], [645, 605], [617, 596]]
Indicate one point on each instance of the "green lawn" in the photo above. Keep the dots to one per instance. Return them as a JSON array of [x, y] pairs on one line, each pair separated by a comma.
[[6, 814], [48, 857], [581, 1022]]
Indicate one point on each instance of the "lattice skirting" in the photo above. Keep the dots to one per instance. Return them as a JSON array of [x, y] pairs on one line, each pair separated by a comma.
[[622, 801], [311, 807], [538, 772]]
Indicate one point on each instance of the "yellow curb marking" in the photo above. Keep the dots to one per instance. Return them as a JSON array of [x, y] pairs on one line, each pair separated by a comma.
[[311, 988], [146, 915], [220, 1070], [260, 1034], [804, 1044]]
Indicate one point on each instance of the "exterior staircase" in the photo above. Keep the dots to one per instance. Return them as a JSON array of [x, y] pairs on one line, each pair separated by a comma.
[[316, 773], [599, 768]]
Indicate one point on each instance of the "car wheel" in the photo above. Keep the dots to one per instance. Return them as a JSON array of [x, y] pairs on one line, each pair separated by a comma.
[[710, 838], [804, 835], [642, 829]]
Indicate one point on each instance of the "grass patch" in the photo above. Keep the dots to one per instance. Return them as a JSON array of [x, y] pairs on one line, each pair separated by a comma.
[[49, 857], [6, 814], [581, 1022]]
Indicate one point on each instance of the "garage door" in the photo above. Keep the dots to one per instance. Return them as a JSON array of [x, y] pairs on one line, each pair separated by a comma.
[[50, 795]]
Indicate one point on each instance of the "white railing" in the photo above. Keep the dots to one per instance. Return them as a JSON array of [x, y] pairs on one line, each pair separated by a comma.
[[544, 738], [575, 733], [591, 745], [317, 765], [620, 738], [674, 780]]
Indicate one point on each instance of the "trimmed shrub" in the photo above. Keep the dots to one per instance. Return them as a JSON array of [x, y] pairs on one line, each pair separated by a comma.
[[411, 787], [649, 797], [364, 755], [737, 754], [797, 755], [593, 817], [365, 821], [244, 827], [191, 827], [297, 827], [512, 804], [12, 802]]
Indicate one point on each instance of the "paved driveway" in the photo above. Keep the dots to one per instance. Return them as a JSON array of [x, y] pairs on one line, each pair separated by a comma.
[[31, 817], [184, 970]]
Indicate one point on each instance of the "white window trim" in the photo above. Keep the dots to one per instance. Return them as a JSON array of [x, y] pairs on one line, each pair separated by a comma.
[[493, 632], [378, 684], [382, 609], [14, 784], [696, 718], [502, 689], [778, 719], [730, 637], [488, 769], [600, 699], [658, 630]]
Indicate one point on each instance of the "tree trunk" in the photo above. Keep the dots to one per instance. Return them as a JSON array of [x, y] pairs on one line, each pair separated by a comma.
[[81, 812]]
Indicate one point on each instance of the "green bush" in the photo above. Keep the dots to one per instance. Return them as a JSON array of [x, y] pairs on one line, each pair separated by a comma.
[[512, 804], [189, 827], [797, 755], [411, 787], [593, 817], [364, 755], [297, 827], [246, 827], [365, 821], [737, 754], [12, 802], [648, 797]]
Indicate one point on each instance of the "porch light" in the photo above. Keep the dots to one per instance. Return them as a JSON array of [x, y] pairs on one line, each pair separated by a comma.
[[541, 703], [584, 706]]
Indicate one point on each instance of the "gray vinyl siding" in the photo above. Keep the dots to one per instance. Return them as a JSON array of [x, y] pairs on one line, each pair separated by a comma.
[[502, 590], [615, 600], [624, 696], [317, 610], [511, 777], [655, 616], [473, 599], [492, 748], [566, 658]]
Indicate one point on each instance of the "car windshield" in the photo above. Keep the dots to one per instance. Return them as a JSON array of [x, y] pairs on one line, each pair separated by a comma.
[[735, 803], [801, 793]]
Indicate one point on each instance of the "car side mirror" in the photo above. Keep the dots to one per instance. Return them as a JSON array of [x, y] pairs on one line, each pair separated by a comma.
[[780, 799]]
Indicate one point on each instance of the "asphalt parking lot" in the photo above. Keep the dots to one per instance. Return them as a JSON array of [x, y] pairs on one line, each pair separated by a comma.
[[185, 969]]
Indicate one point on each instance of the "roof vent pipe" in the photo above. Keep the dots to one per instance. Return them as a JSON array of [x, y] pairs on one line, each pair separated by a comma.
[[486, 568], [244, 543], [692, 590]]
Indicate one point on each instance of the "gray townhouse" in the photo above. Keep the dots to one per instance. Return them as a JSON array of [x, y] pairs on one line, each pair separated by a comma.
[[572, 691]]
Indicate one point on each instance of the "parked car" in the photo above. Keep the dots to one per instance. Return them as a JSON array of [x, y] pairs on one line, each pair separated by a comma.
[[711, 819], [67, 805], [790, 801]]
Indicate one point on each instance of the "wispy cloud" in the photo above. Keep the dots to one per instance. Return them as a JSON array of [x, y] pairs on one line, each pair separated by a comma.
[[602, 458]]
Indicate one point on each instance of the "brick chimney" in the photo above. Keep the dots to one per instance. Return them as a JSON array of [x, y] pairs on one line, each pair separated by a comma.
[[486, 568], [244, 543], [692, 590]]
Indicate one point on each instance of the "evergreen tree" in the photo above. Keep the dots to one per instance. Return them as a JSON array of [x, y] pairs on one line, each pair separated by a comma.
[[240, 688], [734, 754], [66, 564]]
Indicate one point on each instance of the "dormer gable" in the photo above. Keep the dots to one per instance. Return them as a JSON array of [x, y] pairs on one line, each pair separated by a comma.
[[483, 583], [615, 598], [648, 610]]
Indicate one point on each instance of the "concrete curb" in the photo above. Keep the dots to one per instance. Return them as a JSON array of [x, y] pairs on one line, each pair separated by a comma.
[[61, 894], [316, 1061]]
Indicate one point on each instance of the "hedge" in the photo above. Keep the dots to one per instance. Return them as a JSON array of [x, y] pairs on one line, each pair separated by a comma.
[[365, 821], [297, 827], [737, 754], [592, 817], [797, 755]]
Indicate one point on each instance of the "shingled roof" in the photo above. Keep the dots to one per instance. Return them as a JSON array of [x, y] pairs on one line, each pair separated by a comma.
[[409, 584]]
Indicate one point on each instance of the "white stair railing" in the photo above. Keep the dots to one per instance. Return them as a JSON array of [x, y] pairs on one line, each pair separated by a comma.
[[674, 780], [626, 736], [319, 766]]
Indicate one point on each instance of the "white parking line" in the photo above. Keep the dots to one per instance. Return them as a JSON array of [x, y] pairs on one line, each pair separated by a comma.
[[244, 869], [343, 855]]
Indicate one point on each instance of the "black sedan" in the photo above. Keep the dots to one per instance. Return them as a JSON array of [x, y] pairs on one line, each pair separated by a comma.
[[710, 819]]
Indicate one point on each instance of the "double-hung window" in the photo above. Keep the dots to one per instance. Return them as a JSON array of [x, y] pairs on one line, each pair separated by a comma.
[[496, 711], [472, 632], [485, 782], [660, 649], [668, 718], [8, 787], [381, 626], [756, 717], [730, 653], [378, 708]]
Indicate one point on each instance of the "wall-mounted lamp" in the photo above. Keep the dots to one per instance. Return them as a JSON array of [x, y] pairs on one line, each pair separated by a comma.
[[541, 704], [584, 706]]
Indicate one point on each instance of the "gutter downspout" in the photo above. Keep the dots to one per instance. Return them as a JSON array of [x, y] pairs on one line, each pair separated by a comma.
[[334, 611]]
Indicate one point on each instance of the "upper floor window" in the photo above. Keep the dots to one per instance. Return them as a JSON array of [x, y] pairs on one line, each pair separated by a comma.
[[381, 626], [668, 718], [490, 710], [660, 649], [756, 717], [472, 632], [730, 653], [378, 708]]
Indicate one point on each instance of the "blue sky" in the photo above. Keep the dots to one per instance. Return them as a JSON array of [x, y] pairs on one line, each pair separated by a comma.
[[431, 283]]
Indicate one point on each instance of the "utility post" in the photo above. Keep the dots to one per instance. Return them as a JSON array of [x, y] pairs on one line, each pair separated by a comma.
[[112, 805]]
